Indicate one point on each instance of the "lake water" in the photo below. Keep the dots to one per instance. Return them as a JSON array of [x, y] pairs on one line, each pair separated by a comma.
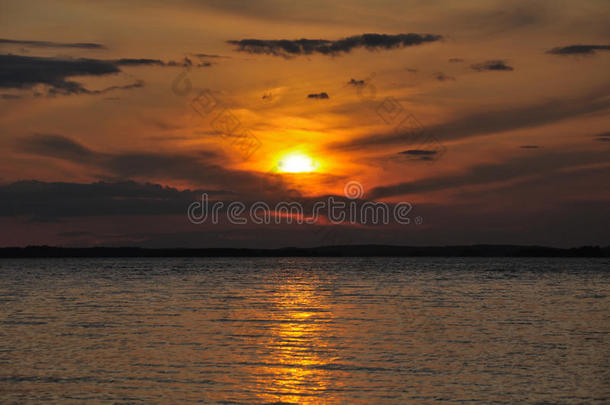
[[306, 331]]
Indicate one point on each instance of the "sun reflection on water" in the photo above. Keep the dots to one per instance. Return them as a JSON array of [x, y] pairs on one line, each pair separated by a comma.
[[295, 370]]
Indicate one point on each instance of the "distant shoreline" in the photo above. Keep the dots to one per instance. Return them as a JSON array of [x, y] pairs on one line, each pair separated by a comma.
[[321, 251]]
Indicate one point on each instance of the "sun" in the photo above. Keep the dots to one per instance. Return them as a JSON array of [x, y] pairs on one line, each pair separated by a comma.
[[296, 163]]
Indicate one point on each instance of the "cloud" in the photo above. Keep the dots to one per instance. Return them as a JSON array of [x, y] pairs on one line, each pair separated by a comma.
[[213, 56], [78, 89], [605, 137], [135, 85], [138, 62], [49, 44], [289, 48], [492, 65], [529, 146], [515, 168], [492, 121], [579, 49], [322, 95], [186, 62], [441, 77], [201, 168], [456, 60], [25, 72], [56, 146], [420, 154], [356, 83], [45, 202]]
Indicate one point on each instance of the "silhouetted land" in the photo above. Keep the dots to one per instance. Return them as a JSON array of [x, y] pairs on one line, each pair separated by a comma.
[[322, 251]]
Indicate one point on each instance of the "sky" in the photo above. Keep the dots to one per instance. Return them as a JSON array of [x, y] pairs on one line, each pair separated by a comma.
[[490, 119]]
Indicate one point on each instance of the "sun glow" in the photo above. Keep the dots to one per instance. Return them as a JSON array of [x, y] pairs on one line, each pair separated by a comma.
[[296, 163]]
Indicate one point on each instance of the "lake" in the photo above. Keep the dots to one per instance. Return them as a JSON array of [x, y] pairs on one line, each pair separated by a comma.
[[304, 331]]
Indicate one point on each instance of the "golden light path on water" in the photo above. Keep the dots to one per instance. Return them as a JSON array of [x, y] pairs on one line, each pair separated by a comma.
[[295, 372]]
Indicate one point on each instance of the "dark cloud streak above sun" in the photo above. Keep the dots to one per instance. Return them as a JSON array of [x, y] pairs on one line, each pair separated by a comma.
[[296, 47], [49, 44], [322, 95], [579, 49], [25, 72], [492, 65]]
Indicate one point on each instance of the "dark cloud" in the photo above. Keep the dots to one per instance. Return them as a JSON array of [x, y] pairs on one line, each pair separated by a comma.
[[25, 72], [52, 201], [356, 83], [605, 137], [49, 44], [57, 146], [200, 168], [138, 62], [186, 62], [135, 85], [493, 121], [456, 60], [322, 95], [418, 152], [213, 56], [410, 70], [288, 48], [441, 77], [579, 49], [492, 65], [144, 214], [45, 202], [78, 89], [529, 146], [519, 167]]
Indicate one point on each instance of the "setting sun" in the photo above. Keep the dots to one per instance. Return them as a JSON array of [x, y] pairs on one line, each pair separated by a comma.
[[296, 163]]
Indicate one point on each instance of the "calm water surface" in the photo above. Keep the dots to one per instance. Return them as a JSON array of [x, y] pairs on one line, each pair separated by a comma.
[[306, 331]]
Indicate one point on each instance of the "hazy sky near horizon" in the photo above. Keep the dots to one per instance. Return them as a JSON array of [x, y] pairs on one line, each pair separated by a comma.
[[491, 118]]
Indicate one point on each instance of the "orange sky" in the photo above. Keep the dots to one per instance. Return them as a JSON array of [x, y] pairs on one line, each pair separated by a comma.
[[514, 138]]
